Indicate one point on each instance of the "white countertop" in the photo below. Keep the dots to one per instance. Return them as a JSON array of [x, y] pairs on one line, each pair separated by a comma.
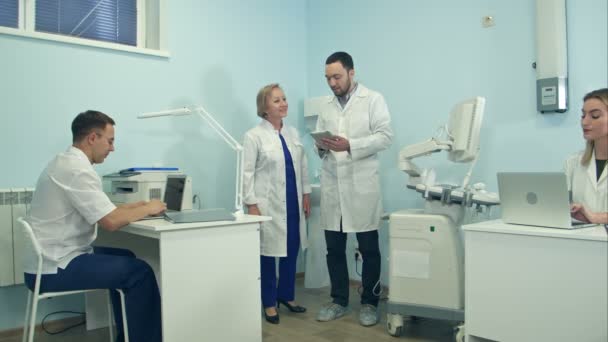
[[162, 225], [597, 233]]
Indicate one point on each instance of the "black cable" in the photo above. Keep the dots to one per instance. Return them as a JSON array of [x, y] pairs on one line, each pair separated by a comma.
[[65, 329], [360, 288]]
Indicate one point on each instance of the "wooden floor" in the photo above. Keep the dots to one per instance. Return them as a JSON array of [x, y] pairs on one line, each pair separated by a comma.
[[302, 327]]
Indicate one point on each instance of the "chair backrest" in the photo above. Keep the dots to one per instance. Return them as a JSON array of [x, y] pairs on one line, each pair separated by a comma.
[[30, 237]]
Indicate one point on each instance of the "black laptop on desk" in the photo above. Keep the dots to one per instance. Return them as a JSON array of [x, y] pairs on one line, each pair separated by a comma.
[[174, 195]]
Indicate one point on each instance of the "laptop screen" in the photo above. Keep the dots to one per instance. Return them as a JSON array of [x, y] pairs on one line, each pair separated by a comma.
[[174, 192]]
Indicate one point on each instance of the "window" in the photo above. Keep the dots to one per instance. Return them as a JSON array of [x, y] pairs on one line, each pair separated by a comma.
[[128, 25], [106, 20], [9, 13]]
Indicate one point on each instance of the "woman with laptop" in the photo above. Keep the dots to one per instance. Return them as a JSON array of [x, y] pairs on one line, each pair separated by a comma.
[[586, 171], [275, 184]]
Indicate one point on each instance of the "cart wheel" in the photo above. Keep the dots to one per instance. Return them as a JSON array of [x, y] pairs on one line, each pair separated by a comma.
[[459, 333], [394, 324]]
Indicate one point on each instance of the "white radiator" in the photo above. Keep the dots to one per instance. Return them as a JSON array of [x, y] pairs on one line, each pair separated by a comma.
[[14, 203]]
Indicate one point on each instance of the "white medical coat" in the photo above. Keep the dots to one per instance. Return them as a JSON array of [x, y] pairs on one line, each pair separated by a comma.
[[264, 182], [586, 188], [350, 183]]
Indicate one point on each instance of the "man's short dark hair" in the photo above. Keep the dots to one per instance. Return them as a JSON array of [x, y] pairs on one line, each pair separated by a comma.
[[87, 121], [344, 58]]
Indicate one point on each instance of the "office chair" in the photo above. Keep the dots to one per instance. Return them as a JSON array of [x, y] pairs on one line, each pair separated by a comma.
[[35, 296]]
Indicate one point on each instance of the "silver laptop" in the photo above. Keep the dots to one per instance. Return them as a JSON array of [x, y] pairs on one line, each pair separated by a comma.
[[174, 194], [536, 199], [203, 215]]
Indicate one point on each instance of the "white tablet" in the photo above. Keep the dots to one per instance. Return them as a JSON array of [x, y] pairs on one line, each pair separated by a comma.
[[320, 135]]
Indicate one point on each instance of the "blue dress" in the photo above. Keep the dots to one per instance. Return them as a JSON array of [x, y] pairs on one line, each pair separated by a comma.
[[285, 289], [291, 196]]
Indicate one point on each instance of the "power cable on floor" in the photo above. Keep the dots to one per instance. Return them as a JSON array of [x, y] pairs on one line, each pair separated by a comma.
[[64, 329]]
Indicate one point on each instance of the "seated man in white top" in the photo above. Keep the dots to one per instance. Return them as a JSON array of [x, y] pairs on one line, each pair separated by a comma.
[[66, 206]]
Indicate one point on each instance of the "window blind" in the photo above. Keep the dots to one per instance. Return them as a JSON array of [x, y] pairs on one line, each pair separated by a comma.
[[106, 20], [9, 13]]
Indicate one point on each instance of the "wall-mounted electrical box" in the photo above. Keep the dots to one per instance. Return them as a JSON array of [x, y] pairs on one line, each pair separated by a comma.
[[551, 56]]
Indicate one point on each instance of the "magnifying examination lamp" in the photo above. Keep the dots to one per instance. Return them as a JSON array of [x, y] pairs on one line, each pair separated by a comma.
[[228, 139]]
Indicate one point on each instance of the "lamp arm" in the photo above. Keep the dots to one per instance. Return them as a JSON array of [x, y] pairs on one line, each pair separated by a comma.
[[180, 111], [238, 198], [218, 128], [228, 139], [238, 183]]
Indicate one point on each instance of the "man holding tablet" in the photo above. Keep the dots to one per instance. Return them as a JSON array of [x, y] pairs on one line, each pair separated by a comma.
[[353, 126]]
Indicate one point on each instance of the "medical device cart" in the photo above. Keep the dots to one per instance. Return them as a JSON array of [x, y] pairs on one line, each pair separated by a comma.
[[426, 268]]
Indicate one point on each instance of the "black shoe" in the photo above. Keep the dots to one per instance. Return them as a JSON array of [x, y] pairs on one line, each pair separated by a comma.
[[292, 308], [271, 319]]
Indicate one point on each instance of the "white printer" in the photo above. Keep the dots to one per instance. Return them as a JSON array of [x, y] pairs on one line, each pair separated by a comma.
[[145, 184]]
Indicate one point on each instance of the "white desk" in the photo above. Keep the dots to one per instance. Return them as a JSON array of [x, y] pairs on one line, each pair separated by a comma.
[[535, 284], [208, 273]]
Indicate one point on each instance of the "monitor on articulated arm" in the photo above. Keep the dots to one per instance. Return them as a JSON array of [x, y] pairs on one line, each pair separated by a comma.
[[464, 128], [461, 140]]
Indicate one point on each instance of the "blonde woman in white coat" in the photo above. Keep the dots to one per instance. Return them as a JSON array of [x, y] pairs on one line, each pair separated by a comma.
[[276, 184], [586, 171]]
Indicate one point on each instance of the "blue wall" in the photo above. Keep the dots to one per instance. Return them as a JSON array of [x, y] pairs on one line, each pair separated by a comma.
[[222, 52], [424, 56]]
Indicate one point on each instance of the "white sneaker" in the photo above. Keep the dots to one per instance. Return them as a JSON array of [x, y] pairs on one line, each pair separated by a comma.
[[331, 311], [368, 315]]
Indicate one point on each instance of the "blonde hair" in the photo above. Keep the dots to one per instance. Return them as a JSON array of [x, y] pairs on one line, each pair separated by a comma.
[[263, 96], [602, 95]]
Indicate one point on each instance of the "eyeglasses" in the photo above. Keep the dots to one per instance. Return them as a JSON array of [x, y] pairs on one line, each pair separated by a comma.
[[109, 140]]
